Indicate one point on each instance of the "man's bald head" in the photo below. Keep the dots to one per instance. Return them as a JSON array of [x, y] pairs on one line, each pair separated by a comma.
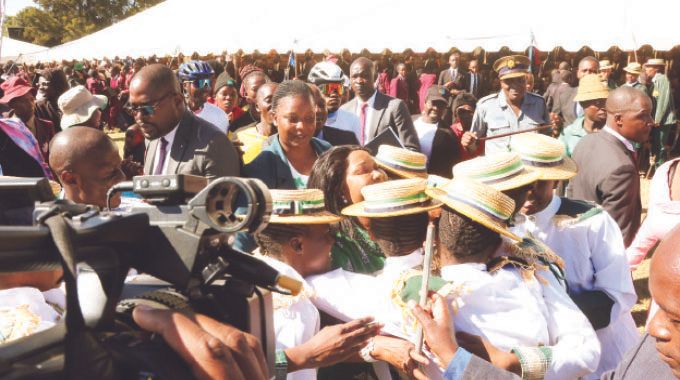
[[363, 62], [664, 284], [155, 78], [87, 163], [629, 112], [77, 145]]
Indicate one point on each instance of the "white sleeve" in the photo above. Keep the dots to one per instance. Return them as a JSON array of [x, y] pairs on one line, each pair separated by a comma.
[[344, 295], [575, 347], [608, 257]]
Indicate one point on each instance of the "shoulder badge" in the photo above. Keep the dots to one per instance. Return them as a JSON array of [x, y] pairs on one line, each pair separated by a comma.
[[573, 211]]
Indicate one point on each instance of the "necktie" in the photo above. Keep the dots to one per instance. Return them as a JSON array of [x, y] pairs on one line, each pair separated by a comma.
[[161, 159], [362, 120]]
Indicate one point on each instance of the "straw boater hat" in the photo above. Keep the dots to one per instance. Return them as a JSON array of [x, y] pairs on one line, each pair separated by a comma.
[[78, 104], [305, 206], [481, 203], [633, 68], [402, 162], [591, 87], [606, 65], [512, 66], [545, 155], [502, 171], [655, 62], [393, 198]]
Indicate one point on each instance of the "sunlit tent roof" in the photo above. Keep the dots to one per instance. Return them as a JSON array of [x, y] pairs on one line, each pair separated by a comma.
[[214, 26], [12, 49]]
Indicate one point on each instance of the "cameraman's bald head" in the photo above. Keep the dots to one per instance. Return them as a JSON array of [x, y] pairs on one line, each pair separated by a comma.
[[87, 163]]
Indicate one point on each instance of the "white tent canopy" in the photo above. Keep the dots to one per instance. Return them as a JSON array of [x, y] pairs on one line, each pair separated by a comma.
[[214, 26], [12, 49]]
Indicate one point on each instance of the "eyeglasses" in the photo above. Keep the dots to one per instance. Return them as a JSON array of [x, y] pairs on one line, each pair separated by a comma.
[[200, 83], [147, 109], [329, 88]]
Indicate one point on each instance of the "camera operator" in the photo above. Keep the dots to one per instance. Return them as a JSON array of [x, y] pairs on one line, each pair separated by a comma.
[[87, 164]]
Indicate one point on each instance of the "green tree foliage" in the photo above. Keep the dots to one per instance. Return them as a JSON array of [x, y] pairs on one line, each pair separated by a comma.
[[54, 22]]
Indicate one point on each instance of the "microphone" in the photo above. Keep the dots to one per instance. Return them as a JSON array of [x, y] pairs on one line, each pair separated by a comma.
[[247, 267]]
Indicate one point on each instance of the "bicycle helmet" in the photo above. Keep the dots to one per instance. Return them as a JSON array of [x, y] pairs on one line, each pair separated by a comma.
[[195, 70], [325, 72]]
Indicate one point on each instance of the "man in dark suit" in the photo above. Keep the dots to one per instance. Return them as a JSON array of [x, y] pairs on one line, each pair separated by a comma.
[[564, 104], [474, 82], [656, 356], [377, 111], [181, 143], [453, 78], [607, 160]]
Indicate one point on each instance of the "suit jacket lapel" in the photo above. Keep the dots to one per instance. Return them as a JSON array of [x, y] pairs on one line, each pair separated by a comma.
[[180, 143], [379, 107], [150, 156]]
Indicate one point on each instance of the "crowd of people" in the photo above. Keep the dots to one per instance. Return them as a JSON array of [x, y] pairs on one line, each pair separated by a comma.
[[534, 201]]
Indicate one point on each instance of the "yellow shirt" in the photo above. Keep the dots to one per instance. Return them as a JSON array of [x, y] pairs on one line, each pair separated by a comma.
[[252, 143]]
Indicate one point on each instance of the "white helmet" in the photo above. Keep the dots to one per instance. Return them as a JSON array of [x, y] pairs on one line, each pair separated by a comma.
[[326, 72]]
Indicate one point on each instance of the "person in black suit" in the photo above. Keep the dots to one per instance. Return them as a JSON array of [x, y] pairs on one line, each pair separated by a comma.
[[437, 141], [474, 82], [607, 159]]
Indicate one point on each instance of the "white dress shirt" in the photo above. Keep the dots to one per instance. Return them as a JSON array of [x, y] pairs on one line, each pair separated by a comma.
[[170, 138], [369, 117], [625, 141], [296, 319], [594, 257]]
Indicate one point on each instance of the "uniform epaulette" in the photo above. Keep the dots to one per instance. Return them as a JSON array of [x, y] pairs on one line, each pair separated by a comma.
[[407, 288], [490, 96], [495, 264], [573, 211]]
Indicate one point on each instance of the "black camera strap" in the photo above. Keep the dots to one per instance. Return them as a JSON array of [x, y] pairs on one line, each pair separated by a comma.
[[85, 357]]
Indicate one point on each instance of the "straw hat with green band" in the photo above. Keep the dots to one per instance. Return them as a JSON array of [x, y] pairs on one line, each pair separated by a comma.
[[481, 203], [305, 206], [545, 155], [393, 198], [402, 162], [502, 171]]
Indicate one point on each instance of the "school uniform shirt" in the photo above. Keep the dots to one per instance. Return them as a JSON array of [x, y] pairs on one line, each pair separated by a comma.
[[594, 257], [347, 296], [27, 310], [296, 319]]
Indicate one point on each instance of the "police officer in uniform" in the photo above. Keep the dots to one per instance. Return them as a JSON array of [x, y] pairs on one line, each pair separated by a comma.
[[511, 109]]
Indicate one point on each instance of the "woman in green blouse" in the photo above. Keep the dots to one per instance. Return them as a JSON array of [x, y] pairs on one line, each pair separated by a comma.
[[341, 173]]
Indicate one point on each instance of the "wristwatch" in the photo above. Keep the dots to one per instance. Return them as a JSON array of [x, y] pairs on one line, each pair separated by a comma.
[[281, 365]]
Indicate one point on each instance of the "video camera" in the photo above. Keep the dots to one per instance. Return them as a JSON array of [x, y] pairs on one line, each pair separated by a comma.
[[179, 235]]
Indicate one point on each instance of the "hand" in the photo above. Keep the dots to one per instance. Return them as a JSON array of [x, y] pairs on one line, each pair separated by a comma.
[[333, 344], [449, 85], [469, 141], [438, 329], [212, 349], [131, 168], [484, 349], [396, 352]]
